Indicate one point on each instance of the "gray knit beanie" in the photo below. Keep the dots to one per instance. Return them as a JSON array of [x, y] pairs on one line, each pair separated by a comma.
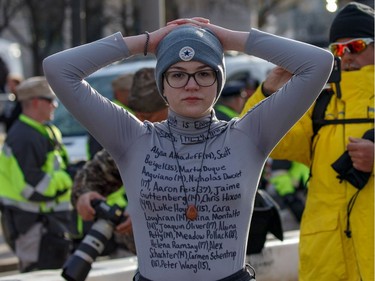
[[190, 43], [355, 20]]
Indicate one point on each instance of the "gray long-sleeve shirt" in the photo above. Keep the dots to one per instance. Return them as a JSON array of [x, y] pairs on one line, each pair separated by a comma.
[[168, 246]]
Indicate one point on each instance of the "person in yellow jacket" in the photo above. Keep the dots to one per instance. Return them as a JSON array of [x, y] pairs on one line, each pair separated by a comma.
[[337, 229], [35, 187]]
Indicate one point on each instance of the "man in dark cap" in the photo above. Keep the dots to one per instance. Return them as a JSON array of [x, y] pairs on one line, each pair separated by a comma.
[[231, 101], [100, 177], [337, 229]]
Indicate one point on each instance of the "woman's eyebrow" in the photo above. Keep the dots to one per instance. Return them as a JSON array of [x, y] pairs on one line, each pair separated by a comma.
[[180, 68]]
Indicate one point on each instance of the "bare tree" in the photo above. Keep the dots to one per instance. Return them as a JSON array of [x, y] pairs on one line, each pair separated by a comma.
[[269, 7], [121, 15], [8, 9], [42, 31]]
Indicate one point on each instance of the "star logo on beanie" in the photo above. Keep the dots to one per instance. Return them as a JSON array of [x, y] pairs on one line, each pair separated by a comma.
[[186, 53]]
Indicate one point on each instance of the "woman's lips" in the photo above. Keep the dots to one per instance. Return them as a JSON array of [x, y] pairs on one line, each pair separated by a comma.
[[191, 99]]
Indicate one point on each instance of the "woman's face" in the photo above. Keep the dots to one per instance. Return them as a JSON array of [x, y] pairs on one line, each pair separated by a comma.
[[191, 100]]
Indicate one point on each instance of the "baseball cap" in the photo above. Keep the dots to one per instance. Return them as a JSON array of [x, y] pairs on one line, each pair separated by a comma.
[[34, 87], [233, 88], [123, 82], [144, 95]]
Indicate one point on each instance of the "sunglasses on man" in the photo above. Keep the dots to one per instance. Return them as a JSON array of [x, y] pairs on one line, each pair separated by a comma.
[[354, 46], [49, 100]]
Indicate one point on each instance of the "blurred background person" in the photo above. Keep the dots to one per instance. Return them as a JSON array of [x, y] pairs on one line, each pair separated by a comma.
[[121, 87], [35, 188], [4, 72], [288, 186], [13, 80], [231, 101], [12, 108]]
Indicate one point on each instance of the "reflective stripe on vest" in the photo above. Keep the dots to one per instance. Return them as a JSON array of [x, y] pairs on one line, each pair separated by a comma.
[[36, 208], [226, 110], [40, 188]]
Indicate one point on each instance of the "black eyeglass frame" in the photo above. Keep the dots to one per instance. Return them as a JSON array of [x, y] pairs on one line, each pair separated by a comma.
[[165, 75]]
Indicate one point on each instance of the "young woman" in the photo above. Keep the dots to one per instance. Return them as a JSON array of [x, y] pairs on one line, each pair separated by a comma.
[[191, 179]]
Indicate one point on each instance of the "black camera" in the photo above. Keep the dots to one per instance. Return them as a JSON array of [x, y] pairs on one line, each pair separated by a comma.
[[78, 265]]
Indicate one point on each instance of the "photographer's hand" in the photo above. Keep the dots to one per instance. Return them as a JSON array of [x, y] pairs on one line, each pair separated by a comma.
[[275, 80], [83, 206], [126, 226], [361, 152]]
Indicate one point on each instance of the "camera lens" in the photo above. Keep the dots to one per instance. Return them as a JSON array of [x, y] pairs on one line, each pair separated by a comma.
[[78, 265]]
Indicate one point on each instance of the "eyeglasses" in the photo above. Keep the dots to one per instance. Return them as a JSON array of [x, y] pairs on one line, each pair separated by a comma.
[[179, 79], [354, 46], [49, 100]]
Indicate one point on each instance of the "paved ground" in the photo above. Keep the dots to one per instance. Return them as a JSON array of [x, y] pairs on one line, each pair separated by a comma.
[[8, 261]]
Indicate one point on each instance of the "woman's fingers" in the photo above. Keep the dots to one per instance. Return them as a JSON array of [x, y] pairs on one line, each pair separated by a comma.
[[194, 21]]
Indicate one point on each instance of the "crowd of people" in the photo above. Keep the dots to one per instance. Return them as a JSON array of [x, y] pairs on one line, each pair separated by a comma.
[[187, 150]]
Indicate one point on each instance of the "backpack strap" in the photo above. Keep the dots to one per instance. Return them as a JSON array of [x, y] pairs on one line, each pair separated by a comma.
[[319, 110], [344, 121], [320, 107]]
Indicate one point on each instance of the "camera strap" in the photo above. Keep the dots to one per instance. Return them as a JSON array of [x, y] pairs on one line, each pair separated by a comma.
[[350, 206]]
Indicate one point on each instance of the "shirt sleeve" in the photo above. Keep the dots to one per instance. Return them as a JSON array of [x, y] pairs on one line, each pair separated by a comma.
[[268, 121], [66, 71], [298, 136]]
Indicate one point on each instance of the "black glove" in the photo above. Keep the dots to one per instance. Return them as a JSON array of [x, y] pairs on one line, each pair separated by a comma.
[[344, 167]]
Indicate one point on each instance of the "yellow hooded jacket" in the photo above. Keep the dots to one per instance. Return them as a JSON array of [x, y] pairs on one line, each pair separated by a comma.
[[326, 253]]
